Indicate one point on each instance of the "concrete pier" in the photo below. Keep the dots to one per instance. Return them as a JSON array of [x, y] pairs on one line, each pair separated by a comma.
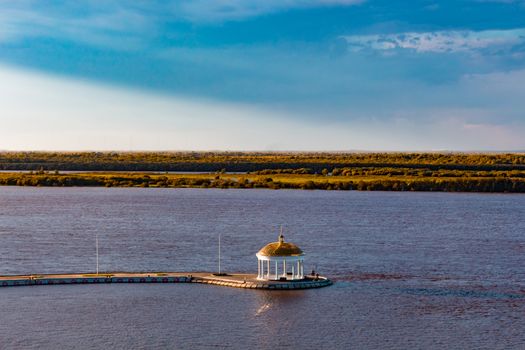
[[248, 281]]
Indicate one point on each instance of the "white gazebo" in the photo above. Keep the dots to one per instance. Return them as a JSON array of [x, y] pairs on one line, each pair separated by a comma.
[[280, 261]]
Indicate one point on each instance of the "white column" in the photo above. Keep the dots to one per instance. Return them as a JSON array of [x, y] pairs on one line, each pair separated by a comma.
[[284, 268], [258, 268], [276, 273], [268, 261], [293, 272]]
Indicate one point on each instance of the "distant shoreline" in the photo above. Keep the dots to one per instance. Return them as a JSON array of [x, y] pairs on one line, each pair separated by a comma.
[[443, 172], [498, 183], [201, 162]]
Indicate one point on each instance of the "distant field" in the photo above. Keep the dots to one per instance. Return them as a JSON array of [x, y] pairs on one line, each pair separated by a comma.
[[472, 172], [254, 161], [479, 182]]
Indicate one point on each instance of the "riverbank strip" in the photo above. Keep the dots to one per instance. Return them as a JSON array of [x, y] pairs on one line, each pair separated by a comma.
[[512, 182]]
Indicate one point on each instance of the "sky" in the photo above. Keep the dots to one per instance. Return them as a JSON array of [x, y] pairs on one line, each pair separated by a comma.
[[299, 75]]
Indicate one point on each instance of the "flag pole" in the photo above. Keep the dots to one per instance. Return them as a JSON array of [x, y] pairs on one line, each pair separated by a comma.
[[96, 243]]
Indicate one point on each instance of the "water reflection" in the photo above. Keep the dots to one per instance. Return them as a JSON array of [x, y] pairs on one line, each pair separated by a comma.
[[281, 300]]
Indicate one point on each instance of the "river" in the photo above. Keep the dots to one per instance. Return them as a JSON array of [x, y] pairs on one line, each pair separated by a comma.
[[411, 270]]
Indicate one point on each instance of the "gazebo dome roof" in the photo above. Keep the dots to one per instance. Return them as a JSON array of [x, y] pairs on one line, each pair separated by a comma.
[[280, 248]]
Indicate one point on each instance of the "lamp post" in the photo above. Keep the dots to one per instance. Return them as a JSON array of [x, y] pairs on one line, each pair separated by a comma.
[[96, 243]]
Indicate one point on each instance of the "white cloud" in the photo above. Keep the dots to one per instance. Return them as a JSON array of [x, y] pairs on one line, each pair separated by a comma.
[[129, 25], [462, 128], [42, 112], [220, 10], [114, 27], [439, 41]]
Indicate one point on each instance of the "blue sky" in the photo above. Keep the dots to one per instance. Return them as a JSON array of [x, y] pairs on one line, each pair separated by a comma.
[[262, 75]]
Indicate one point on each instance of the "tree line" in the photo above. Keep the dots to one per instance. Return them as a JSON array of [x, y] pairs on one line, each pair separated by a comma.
[[256, 161], [495, 184]]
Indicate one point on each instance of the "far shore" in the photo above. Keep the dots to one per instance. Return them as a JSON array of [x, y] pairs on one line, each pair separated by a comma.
[[430, 171], [459, 182]]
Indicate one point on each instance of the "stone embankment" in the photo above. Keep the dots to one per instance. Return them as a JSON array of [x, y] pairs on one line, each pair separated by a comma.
[[250, 282], [247, 281]]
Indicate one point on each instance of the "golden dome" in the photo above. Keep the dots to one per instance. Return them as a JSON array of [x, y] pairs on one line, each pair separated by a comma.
[[280, 248]]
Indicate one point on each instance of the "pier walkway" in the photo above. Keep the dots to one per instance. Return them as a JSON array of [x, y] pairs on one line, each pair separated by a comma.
[[248, 281]]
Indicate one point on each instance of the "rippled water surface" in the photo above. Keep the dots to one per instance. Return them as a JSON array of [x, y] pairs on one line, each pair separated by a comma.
[[412, 270]]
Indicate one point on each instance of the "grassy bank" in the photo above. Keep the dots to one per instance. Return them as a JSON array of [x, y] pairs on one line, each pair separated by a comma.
[[316, 162], [470, 172], [369, 180]]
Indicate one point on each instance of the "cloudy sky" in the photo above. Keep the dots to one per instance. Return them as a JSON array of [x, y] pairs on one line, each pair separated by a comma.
[[262, 75]]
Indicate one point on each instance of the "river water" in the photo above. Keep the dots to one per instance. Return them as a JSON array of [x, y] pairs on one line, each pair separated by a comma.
[[411, 270]]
